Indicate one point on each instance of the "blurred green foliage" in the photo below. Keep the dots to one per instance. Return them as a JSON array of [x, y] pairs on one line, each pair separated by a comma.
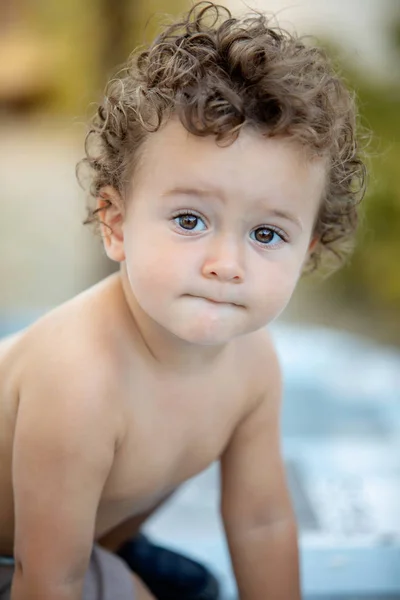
[[371, 278]]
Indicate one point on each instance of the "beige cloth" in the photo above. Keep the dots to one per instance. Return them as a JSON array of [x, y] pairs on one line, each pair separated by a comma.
[[107, 578]]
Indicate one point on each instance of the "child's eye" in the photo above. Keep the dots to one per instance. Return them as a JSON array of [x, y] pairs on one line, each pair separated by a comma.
[[189, 221], [268, 236]]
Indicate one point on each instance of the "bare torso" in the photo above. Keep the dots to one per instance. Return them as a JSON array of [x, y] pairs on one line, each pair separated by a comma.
[[174, 426]]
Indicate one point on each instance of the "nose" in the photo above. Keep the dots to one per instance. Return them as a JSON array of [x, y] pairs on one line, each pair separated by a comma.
[[223, 261]]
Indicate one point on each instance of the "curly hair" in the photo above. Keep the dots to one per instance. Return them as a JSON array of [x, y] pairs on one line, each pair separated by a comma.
[[218, 75]]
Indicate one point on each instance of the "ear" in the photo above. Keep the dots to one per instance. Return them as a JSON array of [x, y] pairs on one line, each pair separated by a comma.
[[111, 215], [311, 247]]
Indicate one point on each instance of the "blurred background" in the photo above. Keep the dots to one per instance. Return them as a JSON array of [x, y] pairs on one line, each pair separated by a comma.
[[55, 59]]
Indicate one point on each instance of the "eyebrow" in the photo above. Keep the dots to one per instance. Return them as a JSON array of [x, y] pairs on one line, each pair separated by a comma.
[[187, 191]]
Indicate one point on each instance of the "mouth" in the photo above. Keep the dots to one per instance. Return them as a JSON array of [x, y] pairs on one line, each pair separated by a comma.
[[217, 301]]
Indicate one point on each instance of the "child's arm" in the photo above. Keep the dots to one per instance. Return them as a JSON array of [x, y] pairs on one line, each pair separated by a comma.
[[255, 505], [63, 451]]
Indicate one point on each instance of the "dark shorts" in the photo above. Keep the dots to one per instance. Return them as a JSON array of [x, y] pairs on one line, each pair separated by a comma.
[[107, 578]]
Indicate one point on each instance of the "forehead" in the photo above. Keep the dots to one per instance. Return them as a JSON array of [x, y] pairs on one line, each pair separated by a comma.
[[275, 169]]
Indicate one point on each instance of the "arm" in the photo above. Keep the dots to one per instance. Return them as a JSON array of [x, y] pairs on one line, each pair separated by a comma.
[[255, 505], [63, 451]]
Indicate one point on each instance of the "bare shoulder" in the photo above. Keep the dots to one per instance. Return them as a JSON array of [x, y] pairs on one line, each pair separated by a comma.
[[66, 357], [258, 352], [8, 343], [263, 351]]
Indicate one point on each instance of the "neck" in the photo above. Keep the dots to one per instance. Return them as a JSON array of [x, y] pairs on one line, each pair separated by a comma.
[[165, 348]]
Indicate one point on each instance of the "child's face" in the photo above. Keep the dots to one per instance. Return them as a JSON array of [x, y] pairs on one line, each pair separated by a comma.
[[231, 265]]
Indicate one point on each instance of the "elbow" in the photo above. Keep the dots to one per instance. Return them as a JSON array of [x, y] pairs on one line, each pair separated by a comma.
[[256, 524], [286, 524], [260, 512]]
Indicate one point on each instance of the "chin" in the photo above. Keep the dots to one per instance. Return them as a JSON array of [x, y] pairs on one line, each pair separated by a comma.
[[207, 340], [210, 334]]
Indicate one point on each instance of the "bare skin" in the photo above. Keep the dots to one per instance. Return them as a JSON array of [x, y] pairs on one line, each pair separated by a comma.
[[191, 418], [112, 400], [141, 591]]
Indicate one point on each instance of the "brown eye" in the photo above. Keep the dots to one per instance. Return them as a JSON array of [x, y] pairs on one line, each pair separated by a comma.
[[188, 221], [264, 235], [267, 236]]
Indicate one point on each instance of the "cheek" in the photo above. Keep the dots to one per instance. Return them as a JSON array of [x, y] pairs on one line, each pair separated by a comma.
[[276, 287], [152, 264]]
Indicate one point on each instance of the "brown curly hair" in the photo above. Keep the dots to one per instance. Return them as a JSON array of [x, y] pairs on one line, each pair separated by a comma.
[[218, 75]]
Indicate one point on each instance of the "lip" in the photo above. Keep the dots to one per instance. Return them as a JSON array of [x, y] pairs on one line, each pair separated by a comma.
[[216, 301]]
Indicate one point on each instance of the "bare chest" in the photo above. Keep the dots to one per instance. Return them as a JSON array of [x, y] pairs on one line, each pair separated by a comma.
[[173, 432]]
